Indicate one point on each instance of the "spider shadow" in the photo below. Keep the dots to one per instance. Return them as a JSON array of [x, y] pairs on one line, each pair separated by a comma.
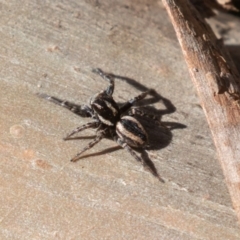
[[80, 138], [160, 135], [105, 151]]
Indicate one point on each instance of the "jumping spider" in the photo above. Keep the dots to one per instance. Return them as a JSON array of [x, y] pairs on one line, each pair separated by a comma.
[[109, 119]]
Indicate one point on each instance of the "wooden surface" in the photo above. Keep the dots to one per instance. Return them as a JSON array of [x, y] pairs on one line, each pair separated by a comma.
[[51, 47], [217, 81]]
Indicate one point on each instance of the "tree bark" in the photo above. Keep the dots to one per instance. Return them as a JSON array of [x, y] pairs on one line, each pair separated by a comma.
[[217, 82]]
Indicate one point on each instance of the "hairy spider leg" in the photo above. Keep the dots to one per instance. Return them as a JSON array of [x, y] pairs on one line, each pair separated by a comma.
[[93, 124], [109, 90], [81, 110], [129, 149], [136, 111], [130, 103], [97, 139], [139, 159]]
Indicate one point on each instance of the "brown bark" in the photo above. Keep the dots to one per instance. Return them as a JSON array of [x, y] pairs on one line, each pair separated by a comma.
[[217, 81]]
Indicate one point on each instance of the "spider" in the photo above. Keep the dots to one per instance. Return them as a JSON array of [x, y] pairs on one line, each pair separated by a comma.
[[109, 119]]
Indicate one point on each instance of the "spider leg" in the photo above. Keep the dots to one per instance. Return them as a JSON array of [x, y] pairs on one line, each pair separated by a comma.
[[139, 159], [127, 105], [97, 139], [109, 90], [93, 124], [136, 111], [129, 149], [81, 110]]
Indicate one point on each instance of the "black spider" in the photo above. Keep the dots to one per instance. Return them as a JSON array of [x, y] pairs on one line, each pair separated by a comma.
[[109, 119]]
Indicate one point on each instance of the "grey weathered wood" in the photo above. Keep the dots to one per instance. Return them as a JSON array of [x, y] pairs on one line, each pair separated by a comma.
[[218, 84], [50, 47]]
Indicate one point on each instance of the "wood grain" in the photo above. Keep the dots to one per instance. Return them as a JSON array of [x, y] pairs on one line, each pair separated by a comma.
[[50, 47]]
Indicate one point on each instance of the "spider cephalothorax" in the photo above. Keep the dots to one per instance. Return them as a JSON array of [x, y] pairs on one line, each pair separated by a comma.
[[108, 118]]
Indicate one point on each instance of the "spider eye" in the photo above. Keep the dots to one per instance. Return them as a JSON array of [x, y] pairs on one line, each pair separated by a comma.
[[131, 131], [107, 110]]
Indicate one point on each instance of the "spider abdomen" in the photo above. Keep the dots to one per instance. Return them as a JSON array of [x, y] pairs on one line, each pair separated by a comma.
[[130, 130]]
